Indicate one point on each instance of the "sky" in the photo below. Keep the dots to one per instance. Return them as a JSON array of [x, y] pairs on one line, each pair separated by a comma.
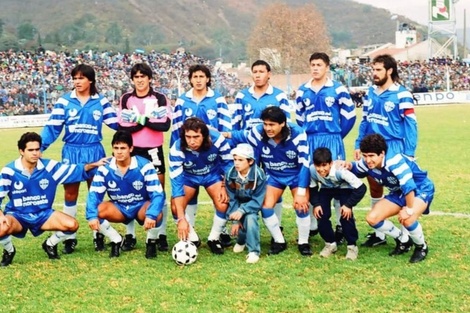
[[418, 10]]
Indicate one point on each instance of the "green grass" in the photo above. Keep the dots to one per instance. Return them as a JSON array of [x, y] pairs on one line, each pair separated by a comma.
[[87, 281]]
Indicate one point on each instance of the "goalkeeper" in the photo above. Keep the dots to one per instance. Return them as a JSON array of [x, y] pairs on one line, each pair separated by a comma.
[[146, 114]]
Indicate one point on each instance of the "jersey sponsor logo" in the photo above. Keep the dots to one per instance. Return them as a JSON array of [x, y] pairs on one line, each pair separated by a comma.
[[96, 115], [188, 164], [267, 151], [291, 154], [307, 103], [329, 101], [247, 108], [73, 112], [112, 186], [137, 185], [18, 185], [66, 161], [211, 114], [389, 106], [211, 157], [188, 112], [44, 183]]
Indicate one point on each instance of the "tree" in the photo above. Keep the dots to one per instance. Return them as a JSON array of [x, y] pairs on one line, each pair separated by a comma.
[[26, 30], [1, 27], [113, 34], [288, 36]]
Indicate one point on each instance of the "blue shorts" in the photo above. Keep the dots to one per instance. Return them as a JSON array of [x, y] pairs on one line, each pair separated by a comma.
[[31, 221], [334, 142], [291, 182], [395, 147], [424, 192], [130, 213], [194, 181], [83, 154]]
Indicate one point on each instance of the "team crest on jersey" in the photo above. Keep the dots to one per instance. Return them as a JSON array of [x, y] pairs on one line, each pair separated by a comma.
[[112, 184], [389, 106], [18, 185], [291, 154], [188, 112], [211, 157], [137, 185], [96, 115], [73, 112], [44, 183], [247, 108], [329, 101], [211, 114], [266, 150], [392, 180]]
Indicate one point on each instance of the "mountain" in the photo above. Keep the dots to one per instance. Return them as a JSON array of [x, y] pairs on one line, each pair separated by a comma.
[[210, 28]]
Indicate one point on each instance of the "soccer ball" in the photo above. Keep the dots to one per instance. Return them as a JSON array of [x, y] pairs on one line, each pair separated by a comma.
[[184, 252]]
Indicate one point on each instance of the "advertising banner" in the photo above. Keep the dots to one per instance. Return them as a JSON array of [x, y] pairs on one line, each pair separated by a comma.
[[440, 11]]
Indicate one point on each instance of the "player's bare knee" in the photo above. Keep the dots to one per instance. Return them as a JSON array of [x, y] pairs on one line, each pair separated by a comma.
[[372, 219]]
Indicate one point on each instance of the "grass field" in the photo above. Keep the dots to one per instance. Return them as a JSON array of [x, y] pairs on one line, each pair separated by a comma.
[[87, 281]]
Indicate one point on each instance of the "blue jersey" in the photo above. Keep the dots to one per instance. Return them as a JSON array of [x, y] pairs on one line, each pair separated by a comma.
[[390, 114], [249, 107], [83, 123], [329, 110], [284, 160], [139, 184], [215, 161], [338, 177], [213, 110], [398, 173], [35, 192]]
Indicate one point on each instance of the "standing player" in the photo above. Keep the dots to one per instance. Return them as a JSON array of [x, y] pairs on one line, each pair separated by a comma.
[[82, 112], [388, 110], [251, 101], [283, 152], [327, 114], [202, 102], [411, 194], [31, 184], [146, 113], [201, 157], [135, 192]]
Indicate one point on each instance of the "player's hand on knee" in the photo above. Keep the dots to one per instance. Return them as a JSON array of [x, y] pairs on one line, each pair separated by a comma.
[[149, 223], [94, 224], [317, 212]]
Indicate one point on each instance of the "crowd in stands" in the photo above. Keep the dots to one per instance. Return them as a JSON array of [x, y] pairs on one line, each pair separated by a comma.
[[31, 82]]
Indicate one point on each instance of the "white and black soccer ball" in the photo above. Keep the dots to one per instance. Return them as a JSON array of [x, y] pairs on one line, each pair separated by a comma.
[[184, 252]]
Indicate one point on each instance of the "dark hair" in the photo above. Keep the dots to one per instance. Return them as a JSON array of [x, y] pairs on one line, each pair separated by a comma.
[[276, 115], [322, 155], [29, 137], [89, 73], [202, 68], [389, 63], [374, 143], [195, 124], [261, 62], [143, 68], [122, 136], [320, 56]]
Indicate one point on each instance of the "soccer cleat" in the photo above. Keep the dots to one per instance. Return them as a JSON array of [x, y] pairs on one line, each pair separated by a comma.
[[237, 248], [69, 246], [252, 258], [373, 241], [313, 232], [115, 249], [401, 247], [420, 253], [151, 248], [339, 236], [329, 249], [7, 257], [162, 243], [215, 246], [129, 242], [305, 250], [277, 247], [50, 250], [98, 242], [352, 253], [225, 240]]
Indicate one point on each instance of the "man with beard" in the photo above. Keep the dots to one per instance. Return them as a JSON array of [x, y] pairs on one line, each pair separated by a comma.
[[388, 110]]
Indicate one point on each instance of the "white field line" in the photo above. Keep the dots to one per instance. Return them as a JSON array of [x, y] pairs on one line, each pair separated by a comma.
[[436, 213]]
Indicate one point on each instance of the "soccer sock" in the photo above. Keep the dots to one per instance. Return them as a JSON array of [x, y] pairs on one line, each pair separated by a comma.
[[130, 228], [404, 237], [313, 220], [387, 227], [153, 233], [303, 226], [7, 244], [191, 210], [373, 202], [57, 237], [337, 206], [218, 225], [416, 233], [162, 228], [70, 208], [107, 230], [272, 224], [278, 211]]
